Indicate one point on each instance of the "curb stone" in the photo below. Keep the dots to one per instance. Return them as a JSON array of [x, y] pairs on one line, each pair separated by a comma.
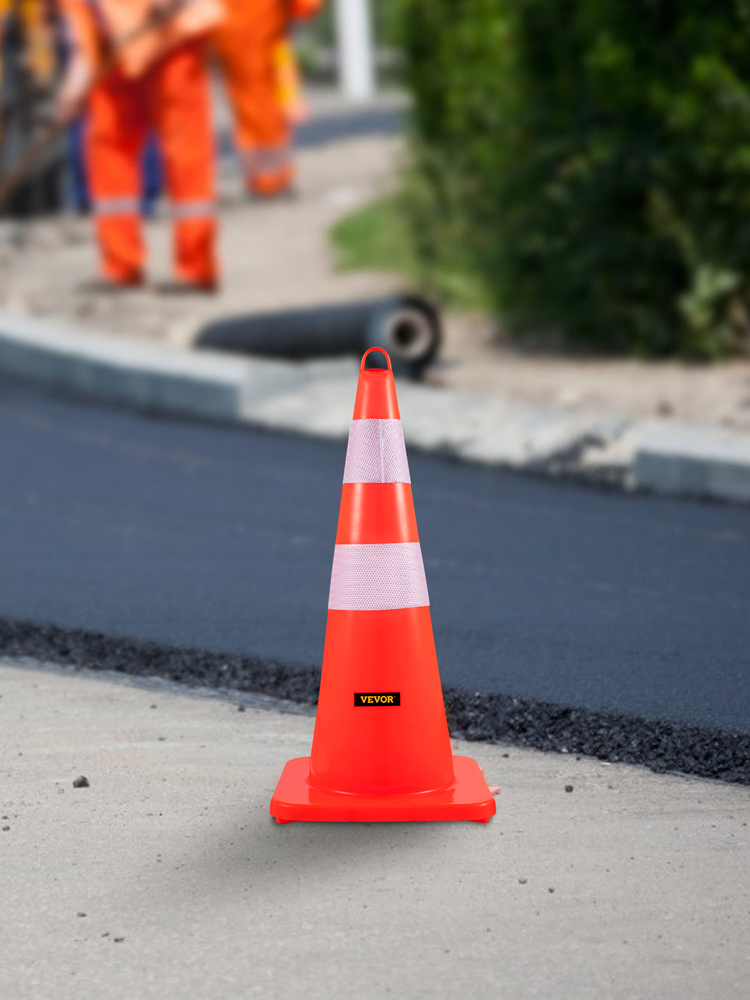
[[142, 375], [316, 398], [692, 459]]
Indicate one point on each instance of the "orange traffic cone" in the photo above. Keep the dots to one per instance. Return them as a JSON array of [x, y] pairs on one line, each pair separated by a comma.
[[381, 749]]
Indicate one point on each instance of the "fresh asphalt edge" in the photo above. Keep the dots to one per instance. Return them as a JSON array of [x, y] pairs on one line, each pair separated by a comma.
[[495, 718]]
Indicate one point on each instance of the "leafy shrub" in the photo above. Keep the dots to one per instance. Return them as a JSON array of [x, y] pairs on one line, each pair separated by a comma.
[[589, 161]]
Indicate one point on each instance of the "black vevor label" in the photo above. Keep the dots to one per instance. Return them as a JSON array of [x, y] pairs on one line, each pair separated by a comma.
[[372, 698]]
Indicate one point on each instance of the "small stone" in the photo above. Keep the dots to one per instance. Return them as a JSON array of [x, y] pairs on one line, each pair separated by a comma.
[[550, 889], [152, 706], [162, 738], [568, 788], [5, 829], [118, 940], [79, 914], [105, 934], [81, 782], [522, 881], [240, 708]]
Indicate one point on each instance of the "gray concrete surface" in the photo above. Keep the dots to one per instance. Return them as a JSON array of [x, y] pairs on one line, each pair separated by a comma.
[[142, 375], [315, 398], [694, 459], [167, 879]]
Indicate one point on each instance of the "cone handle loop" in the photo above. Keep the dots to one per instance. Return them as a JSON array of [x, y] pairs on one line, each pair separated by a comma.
[[369, 351]]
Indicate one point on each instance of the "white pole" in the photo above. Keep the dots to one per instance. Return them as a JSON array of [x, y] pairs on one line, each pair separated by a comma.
[[355, 52]]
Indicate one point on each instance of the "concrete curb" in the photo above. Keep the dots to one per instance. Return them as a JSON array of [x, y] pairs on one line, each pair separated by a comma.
[[692, 459], [316, 398], [142, 375]]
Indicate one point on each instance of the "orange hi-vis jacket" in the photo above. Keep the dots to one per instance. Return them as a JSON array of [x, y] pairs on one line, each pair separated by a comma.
[[97, 25]]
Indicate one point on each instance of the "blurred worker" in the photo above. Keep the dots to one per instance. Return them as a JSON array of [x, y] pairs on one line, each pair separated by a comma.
[[263, 83], [136, 81]]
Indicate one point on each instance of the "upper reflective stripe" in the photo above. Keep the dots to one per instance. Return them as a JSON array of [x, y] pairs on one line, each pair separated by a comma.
[[378, 578], [192, 209], [117, 206], [376, 453]]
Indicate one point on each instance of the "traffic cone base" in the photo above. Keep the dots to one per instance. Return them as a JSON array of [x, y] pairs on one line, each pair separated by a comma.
[[467, 798]]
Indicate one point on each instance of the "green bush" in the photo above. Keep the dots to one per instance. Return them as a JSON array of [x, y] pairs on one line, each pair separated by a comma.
[[590, 162], [377, 237]]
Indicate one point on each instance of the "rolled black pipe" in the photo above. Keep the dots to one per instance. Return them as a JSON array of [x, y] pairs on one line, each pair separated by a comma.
[[407, 326]]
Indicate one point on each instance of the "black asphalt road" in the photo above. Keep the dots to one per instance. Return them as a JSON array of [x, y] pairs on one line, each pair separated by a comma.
[[221, 539]]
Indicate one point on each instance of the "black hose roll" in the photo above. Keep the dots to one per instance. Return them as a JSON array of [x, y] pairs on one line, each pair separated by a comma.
[[407, 326]]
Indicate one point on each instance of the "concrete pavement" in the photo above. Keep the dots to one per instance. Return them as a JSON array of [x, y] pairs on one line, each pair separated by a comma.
[[167, 879]]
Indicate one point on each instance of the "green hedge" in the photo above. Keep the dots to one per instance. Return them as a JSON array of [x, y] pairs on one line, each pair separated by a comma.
[[590, 162]]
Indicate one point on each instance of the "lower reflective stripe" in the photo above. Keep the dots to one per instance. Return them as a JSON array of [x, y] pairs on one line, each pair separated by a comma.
[[193, 210], [378, 577], [376, 453], [116, 206]]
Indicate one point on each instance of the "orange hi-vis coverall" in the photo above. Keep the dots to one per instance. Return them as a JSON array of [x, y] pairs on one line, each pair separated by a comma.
[[160, 83], [258, 62]]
